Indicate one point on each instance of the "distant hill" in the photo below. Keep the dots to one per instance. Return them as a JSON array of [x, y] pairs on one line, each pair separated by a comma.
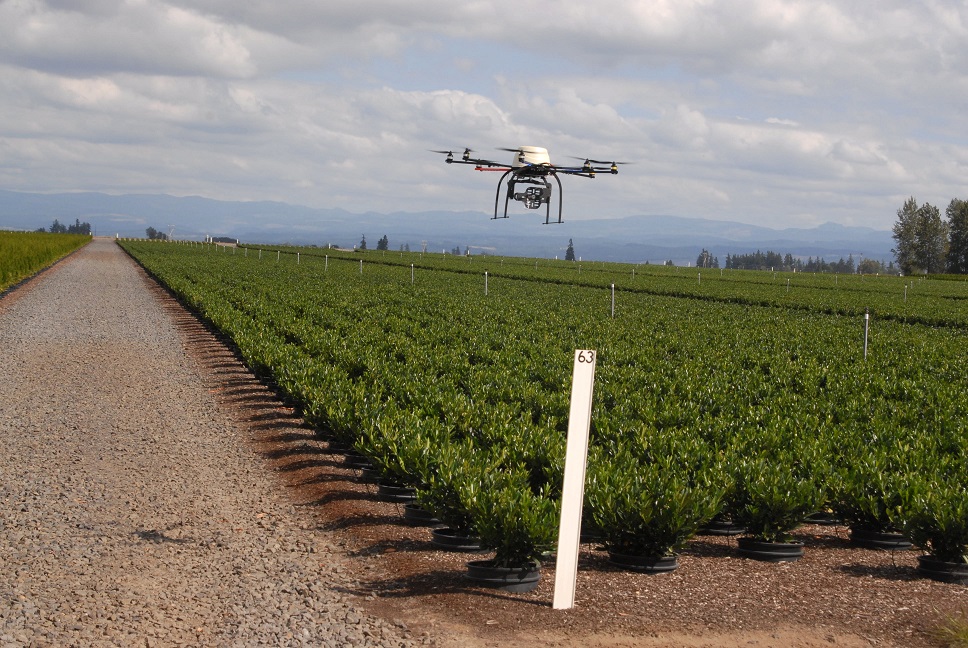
[[630, 239]]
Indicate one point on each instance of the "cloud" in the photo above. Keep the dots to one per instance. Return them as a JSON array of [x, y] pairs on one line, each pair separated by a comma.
[[748, 109]]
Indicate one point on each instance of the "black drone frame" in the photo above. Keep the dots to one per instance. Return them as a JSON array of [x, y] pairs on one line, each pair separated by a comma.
[[537, 194]]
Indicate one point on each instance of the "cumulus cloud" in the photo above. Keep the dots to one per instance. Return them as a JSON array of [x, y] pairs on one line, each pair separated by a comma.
[[747, 109]]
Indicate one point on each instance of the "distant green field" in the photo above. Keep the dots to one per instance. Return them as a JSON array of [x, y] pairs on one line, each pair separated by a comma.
[[23, 254]]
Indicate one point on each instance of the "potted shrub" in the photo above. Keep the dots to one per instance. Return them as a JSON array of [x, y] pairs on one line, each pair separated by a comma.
[[398, 445], [933, 512], [865, 494], [517, 522], [648, 507], [775, 489], [449, 463]]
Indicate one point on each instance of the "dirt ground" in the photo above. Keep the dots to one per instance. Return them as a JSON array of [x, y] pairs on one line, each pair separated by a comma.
[[837, 595]]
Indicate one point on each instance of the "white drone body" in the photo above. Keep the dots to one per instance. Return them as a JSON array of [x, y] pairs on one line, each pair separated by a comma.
[[531, 155]]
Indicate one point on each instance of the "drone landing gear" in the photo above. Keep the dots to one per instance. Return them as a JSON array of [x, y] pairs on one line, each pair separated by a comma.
[[537, 194]]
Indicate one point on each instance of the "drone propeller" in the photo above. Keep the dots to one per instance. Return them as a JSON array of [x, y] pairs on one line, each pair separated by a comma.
[[588, 162], [450, 154], [521, 157], [609, 162]]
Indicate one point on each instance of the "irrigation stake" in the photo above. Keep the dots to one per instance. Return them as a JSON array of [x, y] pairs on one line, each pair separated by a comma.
[[278, 252], [361, 266], [485, 283], [411, 273], [297, 258], [867, 320], [326, 263], [573, 488], [613, 301]]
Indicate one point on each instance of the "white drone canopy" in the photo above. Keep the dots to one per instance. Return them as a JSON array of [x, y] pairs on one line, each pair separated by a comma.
[[525, 155]]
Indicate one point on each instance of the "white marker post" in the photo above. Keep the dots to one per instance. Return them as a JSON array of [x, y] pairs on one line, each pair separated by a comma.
[[573, 490]]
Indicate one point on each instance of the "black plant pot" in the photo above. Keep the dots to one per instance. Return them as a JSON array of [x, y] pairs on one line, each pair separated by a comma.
[[644, 564], [877, 539], [721, 527], [509, 579], [418, 516], [940, 570], [356, 460], [370, 474], [395, 492], [770, 551], [823, 518], [450, 540]]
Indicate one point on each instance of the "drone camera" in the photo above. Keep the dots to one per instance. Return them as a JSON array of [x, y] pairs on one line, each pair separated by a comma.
[[533, 197]]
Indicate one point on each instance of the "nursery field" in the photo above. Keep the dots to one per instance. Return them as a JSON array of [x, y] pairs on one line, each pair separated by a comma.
[[750, 399], [24, 253]]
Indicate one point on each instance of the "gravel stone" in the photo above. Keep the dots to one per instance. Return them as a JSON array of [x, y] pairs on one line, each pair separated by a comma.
[[134, 511]]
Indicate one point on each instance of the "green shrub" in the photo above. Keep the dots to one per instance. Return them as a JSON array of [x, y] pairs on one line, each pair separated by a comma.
[[447, 467], [776, 487], [517, 523], [865, 489], [933, 512], [652, 507]]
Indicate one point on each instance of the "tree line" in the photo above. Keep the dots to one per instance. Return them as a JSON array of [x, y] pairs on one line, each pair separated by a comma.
[[770, 260], [77, 228], [928, 244]]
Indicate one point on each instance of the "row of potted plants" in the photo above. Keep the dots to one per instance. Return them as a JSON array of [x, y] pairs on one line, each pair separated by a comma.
[[473, 417]]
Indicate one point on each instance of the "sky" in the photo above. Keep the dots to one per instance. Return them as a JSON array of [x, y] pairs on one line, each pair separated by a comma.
[[782, 113]]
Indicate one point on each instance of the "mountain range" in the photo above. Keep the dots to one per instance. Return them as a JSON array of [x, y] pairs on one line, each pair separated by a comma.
[[635, 239]]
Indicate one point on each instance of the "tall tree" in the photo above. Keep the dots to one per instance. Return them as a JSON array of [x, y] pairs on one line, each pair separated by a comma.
[[932, 236], [570, 252], [957, 213], [921, 237], [362, 245], [904, 235], [383, 243]]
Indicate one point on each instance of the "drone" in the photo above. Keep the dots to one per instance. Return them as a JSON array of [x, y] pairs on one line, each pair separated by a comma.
[[531, 167]]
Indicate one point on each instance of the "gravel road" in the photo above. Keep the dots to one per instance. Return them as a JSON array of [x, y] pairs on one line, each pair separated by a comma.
[[134, 512]]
